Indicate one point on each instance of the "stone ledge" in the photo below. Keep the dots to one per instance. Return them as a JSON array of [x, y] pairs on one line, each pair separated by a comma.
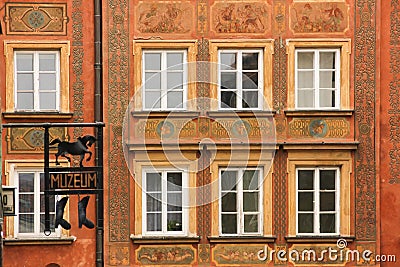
[[39, 241]]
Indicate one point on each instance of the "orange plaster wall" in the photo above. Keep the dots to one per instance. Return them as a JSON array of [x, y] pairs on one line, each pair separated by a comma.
[[82, 252], [390, 198]]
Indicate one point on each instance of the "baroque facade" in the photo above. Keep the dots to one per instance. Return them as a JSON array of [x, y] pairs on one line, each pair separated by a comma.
[[235, 130]]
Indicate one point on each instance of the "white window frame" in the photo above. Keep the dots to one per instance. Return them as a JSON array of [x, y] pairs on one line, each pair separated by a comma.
[[316, 70], [163, 73], [316, 211], [239, 202], [36, 72], [239, 79], [185, 202], [37, 233]]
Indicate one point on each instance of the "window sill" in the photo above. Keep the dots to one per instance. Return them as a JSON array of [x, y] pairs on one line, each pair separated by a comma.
[[39, 241], [319, 113], [37, 115], [241, 239], [240, 113], [318, 239], [164, 239], [163, 114], [319, 145]]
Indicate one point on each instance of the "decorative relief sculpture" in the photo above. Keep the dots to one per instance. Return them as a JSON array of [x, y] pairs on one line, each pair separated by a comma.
[[38, 19], [165, 255], [30, 140], [319, 17], [319, 128], [237, 254]]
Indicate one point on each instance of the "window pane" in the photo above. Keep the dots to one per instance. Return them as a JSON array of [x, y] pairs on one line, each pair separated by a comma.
[[250, 202], [41, 182], [228, 99], [26, 182], [47, 62], [250, 80], [175, 99], [153, 202], [327, 201], [305, 79], [26, 203], [152, 80], [306, 223], [250, 99], [228, 80], [327, 179], [327, 223], [228, 202], [153, 100], [153, 182], [250, 223], [228, 61], [25, 81], [228, 180], [47, 100], [327, 60], [306, 201], [327, 79], [51, 201], [25, 223], [174, 61], [24, 62], [154, 222], [174, 222], [306, 179], [174, 181], [152, 61], [250, 61], [305, 98], [47, 81], [229, 223], [174, 80], [327, 98], [25, 100], [42, 222], [305, 60], [250, 179], [174, 201]]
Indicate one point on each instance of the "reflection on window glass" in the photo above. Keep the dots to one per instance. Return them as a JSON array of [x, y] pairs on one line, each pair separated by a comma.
[[317, 198], [240, 79]]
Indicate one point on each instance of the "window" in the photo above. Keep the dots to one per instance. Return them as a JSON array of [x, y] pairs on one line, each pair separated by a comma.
[[240, 79], [30, 205], [164, 201], [165, 79], [318, 74], [37, 80], [318, 201], [37, 76], [240, 202], [317, 78]]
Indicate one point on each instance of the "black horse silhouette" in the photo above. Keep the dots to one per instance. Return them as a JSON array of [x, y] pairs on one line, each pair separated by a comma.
[[79, 147]]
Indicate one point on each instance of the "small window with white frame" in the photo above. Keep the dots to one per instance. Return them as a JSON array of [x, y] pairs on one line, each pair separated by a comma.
[[165, 210], [317, 78], [317, 201], [37, 80], [164, 79], [240, 79], [30, 205], [240, 201]]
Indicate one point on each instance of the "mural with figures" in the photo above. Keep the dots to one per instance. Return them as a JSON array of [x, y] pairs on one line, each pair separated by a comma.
[[243, 17], [319, 17]]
